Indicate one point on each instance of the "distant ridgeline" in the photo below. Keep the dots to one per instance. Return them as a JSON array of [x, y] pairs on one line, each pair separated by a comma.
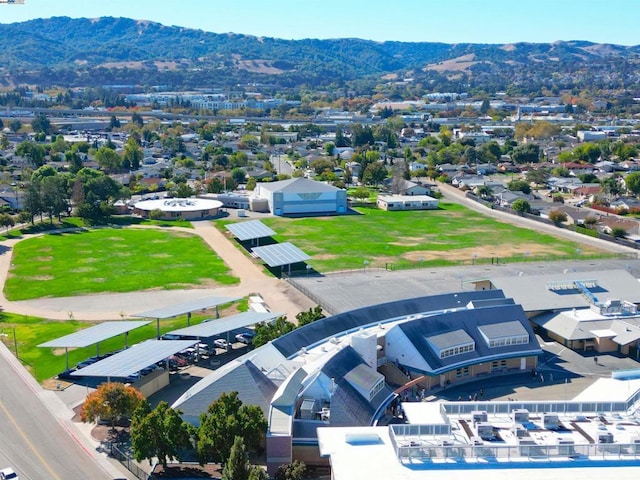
[[110, 51]]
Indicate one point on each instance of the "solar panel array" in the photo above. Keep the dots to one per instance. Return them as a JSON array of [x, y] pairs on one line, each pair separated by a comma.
[[281, 254], [134, 359], [182, 308], [223, 325], [250, 230], [93, 335]]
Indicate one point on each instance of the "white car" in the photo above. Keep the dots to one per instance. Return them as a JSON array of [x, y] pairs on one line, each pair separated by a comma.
[[220, 343], [8, 474]]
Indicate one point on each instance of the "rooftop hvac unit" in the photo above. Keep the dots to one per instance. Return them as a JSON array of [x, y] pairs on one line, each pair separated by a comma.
[[520, 415], [479, 416], [485, 431], [565, 446], [550, 421], [526, 446], [606, 437], [519, 431]]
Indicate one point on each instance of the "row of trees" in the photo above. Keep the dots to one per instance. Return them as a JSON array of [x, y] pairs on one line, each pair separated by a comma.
[[161, 432], [53, 194]]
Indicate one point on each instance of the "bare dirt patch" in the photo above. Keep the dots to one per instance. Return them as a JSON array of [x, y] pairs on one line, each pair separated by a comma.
[[42, 278], [160, 255], [43, 259], [259, 66], [459, 64], [83, 270], [325, 256], [115, 239], [486, 251]]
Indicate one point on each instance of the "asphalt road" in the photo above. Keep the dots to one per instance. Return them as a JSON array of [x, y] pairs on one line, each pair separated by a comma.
[[32, 441]]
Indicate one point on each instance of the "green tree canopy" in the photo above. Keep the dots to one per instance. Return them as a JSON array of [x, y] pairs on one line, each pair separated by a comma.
[[265, 332], [527, 153], [632, 182], [108, 159], [224, 420], [159, 433], [520, 205]]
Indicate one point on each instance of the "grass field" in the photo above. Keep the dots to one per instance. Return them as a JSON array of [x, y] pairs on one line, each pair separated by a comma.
[[447, 236], [112, 260], [45, 363]]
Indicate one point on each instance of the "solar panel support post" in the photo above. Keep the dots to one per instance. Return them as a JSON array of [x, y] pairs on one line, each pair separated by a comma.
[[158, 328], [66, 356], [97, 349], [188, 319], [126, 340]]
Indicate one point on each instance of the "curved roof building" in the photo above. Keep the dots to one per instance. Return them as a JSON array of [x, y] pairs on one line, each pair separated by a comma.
[[342, 370]]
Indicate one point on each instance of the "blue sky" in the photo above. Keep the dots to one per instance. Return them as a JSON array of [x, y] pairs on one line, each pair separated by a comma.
[[449, 21]]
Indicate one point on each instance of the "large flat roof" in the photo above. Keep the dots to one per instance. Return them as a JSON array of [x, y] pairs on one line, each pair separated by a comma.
[[250, 230], [182, 308], [534, 294], [134, 359], [93, 335], [226, 324], [281, 254]]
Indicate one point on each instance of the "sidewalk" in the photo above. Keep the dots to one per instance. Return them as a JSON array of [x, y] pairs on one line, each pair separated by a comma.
[[81, 433]]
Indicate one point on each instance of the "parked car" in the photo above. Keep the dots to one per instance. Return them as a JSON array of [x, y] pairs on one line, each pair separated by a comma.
[[221, 343], [205, 349], [8, 474], [246, 338]]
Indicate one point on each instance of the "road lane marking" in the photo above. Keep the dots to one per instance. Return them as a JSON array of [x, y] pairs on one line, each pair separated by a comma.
[[28, 442]]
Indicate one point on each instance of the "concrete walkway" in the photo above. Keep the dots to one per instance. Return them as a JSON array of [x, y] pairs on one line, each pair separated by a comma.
[[279, 296]]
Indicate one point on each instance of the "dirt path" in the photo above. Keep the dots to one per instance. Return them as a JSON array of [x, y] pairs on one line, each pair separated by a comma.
[[458, 196], [279, 296]]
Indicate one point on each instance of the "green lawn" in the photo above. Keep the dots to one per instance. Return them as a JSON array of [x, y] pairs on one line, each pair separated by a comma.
[[45, 363], [447, 236], [112, 260]]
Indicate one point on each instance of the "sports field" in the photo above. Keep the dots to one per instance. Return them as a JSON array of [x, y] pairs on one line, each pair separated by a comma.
[[450, 235], [112, 260]]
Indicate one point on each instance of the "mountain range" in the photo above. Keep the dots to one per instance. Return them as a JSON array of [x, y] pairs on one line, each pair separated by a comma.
[[104, 51]]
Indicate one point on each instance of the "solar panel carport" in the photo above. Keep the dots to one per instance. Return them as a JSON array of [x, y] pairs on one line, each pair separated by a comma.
[[281, 254], [182, 308], [225, 325], [251, 230], [93, 336], [134, 359]]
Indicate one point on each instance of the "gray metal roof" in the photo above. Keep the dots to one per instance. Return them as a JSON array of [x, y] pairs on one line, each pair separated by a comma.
[[134, 359], [450, 339], [226, 324], [182, 308], [281, 254], [250, 230], [532, 293], [503, 329], [93, 335]]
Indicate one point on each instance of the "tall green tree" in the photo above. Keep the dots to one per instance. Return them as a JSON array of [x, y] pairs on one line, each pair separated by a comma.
[[237, 467], [108, 159], [159, 433], [224, 420], [41, 124], [632, 182], [132, 155], [33, 152]]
